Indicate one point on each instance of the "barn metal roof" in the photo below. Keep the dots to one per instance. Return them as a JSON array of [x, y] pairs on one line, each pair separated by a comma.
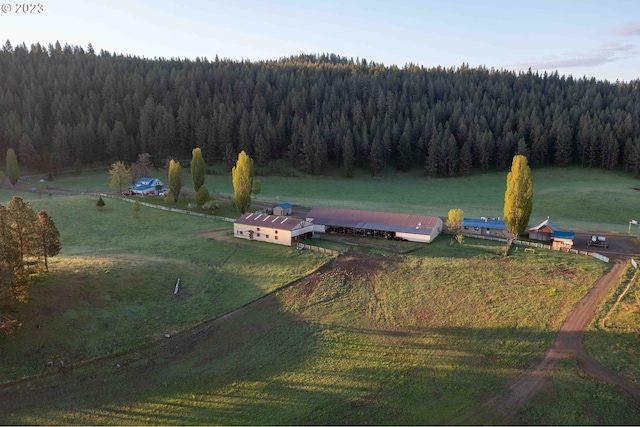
[[544, 223], [271, 221], [381, 221], [563, 235], [491, 223]]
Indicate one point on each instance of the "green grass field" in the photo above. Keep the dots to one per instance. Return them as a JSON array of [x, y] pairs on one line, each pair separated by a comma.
[[111, 287], [617, 344], [574, 198], [381, 337]]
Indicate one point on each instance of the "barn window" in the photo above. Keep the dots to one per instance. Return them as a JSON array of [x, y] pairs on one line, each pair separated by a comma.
[[276, 231], [258, 230], [276, 237], [267, 236], [258, 234]]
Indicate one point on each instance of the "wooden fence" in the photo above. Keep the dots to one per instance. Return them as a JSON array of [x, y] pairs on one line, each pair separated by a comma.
[[540, 246], [164, 208], [319, 249]]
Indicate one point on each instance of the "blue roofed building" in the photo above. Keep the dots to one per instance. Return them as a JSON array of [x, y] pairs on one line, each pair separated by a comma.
[[148, 186], [283, 209], [490, 227]]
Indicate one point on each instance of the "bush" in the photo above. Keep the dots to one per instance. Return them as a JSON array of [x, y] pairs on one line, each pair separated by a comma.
[[202, 196]]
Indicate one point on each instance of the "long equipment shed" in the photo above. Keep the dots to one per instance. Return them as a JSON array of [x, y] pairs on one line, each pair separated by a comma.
[[398, 226]]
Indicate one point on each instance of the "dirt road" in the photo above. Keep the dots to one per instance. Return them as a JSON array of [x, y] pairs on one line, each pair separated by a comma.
[[568, 343]]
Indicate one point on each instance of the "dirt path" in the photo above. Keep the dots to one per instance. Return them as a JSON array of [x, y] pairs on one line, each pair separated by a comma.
[[568, 343]]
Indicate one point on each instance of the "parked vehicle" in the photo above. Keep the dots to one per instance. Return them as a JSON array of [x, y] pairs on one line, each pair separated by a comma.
[[598, 241], [127, 193]]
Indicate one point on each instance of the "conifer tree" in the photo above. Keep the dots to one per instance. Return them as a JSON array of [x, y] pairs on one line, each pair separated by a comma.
[[49, 238], [22, 221], [242, 176], [518, 198]]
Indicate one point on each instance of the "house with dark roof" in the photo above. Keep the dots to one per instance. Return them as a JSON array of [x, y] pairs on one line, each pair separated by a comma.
[[282, 230], [493, 227], [398, 226], [548, 232]]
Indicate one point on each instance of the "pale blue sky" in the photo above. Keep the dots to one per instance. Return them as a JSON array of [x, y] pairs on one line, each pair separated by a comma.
[[598, 39]]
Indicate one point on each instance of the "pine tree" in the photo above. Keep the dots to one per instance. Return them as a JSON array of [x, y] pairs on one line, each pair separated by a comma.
[[348, 154], [242, 177], [197, 168], [49, 238], [22, 225], [518, 198]]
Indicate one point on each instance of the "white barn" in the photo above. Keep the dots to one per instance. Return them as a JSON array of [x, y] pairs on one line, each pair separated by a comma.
[[282, 230]]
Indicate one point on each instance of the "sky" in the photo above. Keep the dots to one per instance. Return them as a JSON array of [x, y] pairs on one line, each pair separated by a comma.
[[584, 38]]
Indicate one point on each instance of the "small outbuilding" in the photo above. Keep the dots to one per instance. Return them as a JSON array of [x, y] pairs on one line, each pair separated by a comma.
[[546, 231], [282, 230], [397, 226], [283, 209], [148, 186], [484, 226]]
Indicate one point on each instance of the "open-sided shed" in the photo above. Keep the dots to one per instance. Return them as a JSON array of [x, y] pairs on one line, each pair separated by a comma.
[[415, 228]]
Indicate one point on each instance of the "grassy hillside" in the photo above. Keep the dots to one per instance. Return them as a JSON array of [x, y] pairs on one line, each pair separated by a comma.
[[111, 287], [375, 339]]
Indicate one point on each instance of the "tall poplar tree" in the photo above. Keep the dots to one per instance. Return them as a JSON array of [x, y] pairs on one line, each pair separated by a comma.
[[242, 176], [13, 172], [175, 181], [197, 168], [518, 199]]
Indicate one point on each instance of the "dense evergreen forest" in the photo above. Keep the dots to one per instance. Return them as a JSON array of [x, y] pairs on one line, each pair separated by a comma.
[[61, 106]]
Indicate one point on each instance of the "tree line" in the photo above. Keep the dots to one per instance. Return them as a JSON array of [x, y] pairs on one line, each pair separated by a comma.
[[27, 241], [65, 105]]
